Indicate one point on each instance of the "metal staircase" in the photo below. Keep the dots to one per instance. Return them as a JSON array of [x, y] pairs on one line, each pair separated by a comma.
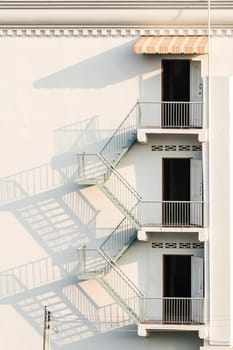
[[99, 169], [95, 264]]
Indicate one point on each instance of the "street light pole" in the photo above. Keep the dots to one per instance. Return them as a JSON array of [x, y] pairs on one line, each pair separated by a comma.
[[45, 327]]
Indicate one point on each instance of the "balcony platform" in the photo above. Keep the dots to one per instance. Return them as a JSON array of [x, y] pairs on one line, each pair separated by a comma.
[[143, 132], [145, 328], [145, 229]]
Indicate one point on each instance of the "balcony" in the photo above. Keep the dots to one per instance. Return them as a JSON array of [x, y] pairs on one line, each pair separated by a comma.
[[171, 310], [170, 117], [170, 114], [171, 213]]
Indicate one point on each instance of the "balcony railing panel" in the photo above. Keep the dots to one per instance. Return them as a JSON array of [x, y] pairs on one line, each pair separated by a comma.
[[170, 114], [171, 213], [167, 310]]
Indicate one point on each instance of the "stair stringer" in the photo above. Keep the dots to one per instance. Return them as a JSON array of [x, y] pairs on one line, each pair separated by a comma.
[[119, 301]]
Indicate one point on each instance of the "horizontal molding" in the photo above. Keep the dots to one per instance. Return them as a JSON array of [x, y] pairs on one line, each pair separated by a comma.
[[113, 4], [88, 31], [116, 17]]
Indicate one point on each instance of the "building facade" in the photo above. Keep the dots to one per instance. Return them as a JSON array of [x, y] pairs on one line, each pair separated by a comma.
[[116, 176]]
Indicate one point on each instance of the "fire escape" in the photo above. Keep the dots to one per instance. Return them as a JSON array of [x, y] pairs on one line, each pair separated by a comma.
[[101, 170]]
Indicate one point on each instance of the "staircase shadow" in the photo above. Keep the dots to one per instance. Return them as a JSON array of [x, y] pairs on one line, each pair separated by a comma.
[[74, 314]]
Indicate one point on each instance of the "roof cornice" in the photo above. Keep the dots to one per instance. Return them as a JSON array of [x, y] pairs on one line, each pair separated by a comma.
[[116, 13], [115, 4]]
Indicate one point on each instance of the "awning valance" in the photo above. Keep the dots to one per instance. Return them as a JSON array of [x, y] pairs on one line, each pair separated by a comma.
[[171, 45]]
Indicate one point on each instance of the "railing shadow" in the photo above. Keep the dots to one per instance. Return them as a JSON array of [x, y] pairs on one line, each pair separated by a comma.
[[75, 315], [48, 203], [80, 136], [55, 221]]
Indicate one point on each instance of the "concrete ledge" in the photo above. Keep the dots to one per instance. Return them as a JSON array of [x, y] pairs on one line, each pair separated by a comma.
[[144, 329], [202, 231], [215, 347], [142, 133]]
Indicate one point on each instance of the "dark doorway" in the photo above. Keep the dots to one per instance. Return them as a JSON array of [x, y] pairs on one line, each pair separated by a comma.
[[175, 92], [176, 288], [176, 80], [176, 191]]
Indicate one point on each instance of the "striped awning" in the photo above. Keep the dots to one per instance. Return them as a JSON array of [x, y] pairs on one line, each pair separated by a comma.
[[171, 45]]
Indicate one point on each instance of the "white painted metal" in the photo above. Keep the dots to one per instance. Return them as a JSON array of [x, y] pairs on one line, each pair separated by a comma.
[[196, 91], [197, 286], [196, 215]]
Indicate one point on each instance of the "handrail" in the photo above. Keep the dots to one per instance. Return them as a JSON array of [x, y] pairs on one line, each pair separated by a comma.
[[135, 288], [114, 266], [175, 310], [117, 130], [170, 102], [172, 213], [121, 178], [126, 238], [166, 201], [171, 114]]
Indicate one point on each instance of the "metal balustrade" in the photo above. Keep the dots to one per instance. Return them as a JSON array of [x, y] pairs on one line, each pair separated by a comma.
[[91, 167], [119, 240], [170, 114], [127, 293], [122, 194], [171, 213], [100, 169], [169, 310], [122, 138], [93, 263]]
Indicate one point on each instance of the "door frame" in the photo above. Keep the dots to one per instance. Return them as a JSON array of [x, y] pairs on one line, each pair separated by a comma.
[[163, 269], [163, 304], [162, 72], [163, 182]]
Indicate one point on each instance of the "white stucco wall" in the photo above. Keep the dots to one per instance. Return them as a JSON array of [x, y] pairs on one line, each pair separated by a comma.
[[220, 200], [144, 264], [145, 165], [46, 84], [89, 84]]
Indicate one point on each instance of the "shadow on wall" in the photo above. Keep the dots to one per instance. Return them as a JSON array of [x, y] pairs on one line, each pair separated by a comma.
[[54, 211], [108, 68], [83, 136], [75, 316], [76, 138]]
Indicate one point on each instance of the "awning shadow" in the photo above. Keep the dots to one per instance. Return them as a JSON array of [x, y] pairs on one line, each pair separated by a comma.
[[108, 68]]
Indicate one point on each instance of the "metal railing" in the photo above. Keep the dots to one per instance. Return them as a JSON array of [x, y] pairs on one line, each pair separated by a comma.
[[170, 114], [91, 166], [93, 263], [122, 194], [171, 213], [173, 310], [119, 240], [110, 181], [122, 138]]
